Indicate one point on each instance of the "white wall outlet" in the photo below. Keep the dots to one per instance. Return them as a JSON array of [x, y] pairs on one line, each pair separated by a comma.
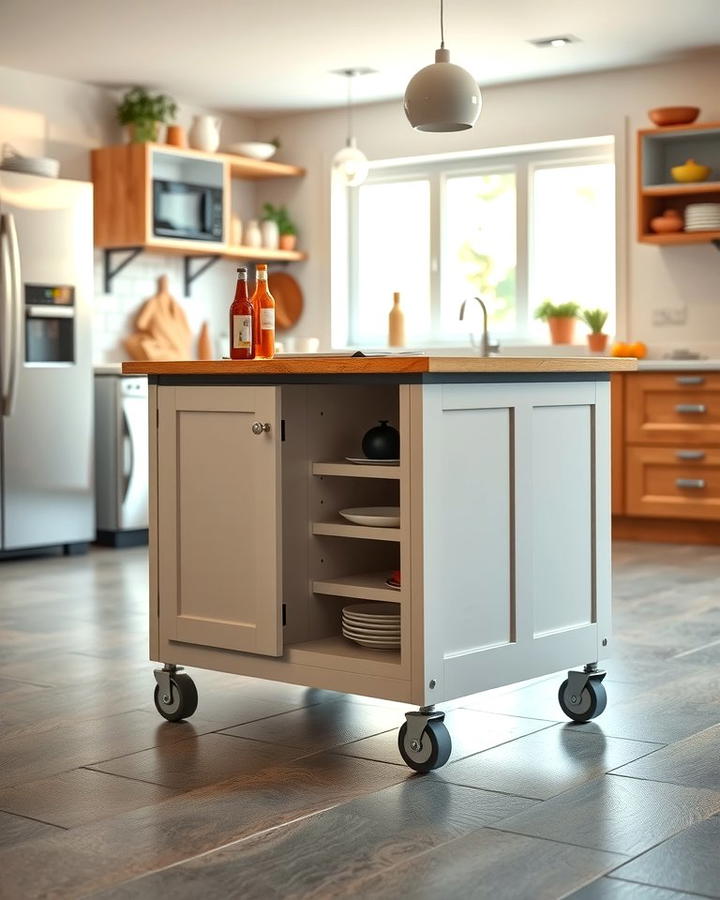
[[670, 315]]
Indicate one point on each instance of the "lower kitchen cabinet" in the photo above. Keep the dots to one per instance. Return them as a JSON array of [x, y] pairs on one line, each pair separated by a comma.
[[666, 456]]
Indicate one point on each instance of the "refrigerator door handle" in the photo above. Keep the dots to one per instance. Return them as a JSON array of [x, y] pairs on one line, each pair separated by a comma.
[[128, 453], [6, 302], [17, 323]]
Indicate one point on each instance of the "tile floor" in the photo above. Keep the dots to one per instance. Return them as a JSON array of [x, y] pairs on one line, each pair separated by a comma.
[[272, 790]]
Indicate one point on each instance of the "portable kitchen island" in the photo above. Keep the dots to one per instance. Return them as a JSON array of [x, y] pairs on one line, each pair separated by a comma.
[[503, 544]]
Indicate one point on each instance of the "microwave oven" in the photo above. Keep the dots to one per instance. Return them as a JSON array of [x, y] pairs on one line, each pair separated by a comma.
[[191, 211]]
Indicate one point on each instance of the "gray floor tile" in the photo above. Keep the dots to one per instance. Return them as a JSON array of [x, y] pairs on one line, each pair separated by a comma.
[[622, 815], [694, 762], [546, 763], [608, 888], [690, 861]]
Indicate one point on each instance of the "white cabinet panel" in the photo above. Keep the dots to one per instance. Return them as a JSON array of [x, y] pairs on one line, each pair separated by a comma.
[[562, 527]]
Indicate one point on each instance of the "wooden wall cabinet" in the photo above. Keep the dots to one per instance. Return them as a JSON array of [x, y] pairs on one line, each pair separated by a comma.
[[666, 456], [658, 150], [123, 196]]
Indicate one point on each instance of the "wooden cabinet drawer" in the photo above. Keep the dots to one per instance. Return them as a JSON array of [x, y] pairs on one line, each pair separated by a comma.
[[673, 408], [673, 483]]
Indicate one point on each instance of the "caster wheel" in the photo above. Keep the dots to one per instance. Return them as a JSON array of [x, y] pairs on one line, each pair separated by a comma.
[[434, 750], [588, 705], [184, 699]]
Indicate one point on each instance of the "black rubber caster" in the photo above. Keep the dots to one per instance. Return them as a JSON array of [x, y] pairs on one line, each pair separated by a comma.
[[434, 750], [591, 702], [183, 702]]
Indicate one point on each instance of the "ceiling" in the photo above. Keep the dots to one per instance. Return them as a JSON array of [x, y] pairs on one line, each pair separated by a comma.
[[266, 56]]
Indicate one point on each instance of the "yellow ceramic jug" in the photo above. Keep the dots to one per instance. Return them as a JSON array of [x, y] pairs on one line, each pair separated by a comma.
[[690, 171]]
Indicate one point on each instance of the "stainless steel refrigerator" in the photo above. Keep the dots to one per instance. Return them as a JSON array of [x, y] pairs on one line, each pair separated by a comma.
[[46, 288]]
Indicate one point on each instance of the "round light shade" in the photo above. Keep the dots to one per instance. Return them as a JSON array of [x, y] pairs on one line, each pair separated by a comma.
[[442, 97], [351, 164]]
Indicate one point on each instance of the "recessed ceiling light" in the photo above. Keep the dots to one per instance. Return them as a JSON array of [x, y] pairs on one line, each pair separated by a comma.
[[560, 40]]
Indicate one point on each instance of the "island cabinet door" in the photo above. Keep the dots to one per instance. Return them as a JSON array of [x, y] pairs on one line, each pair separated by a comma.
[[218, 465], [516, 499]]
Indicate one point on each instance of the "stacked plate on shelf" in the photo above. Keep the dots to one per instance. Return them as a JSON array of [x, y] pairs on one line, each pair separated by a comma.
[[373, 625], [702, 217]]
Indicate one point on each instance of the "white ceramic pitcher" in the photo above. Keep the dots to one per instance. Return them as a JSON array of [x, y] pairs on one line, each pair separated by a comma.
[[205, 133]]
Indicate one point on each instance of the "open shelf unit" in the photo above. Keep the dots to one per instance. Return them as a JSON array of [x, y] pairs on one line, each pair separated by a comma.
[[355, 470], [123, 178], [370, 586], [658, 150], [337, 652], [361, 532]]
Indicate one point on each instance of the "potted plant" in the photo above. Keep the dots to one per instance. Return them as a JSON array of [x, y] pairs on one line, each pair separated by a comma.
[[595, 319], [286, 227], [142, 113], [560, 318]]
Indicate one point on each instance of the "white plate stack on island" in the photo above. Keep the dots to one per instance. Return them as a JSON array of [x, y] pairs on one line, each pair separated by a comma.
[[373, 625]]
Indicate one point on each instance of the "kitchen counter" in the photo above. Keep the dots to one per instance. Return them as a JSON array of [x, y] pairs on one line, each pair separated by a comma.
[[678, 365], [382, 365]]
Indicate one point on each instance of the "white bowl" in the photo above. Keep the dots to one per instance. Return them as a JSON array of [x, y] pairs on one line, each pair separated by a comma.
[[32, 165], [254, 149]]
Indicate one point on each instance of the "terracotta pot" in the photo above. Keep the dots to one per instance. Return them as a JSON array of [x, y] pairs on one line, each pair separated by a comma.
[[175, 136], [562, 329], [288, 241], [669, 221], [597, 342]]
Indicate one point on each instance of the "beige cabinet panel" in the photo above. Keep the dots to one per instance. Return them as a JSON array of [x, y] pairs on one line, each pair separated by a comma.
[[219, 521]]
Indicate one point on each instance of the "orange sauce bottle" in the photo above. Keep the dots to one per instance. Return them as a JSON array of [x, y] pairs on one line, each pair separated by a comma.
[[242, 320], [264, 305]]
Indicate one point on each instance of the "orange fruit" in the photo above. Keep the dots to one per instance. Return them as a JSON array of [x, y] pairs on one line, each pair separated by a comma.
[[620, 348], [637, 349]]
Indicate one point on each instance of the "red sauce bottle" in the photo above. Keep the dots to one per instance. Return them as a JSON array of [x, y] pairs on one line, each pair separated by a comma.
[[242, 320]]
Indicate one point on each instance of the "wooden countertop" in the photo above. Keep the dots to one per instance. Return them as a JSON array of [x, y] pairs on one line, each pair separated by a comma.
[[385, 365]]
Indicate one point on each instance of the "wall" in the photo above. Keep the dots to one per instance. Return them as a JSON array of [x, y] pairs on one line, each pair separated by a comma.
[[608, 103], [65, 119]]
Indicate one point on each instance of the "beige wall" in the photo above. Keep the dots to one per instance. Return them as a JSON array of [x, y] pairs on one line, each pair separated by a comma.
[[612, 103]]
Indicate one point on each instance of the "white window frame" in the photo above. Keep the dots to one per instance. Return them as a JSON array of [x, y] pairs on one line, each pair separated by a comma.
[[523, 162]]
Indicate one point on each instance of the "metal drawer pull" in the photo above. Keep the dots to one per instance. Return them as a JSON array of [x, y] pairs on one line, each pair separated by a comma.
[[690, 379], [259, 427], [690, 454], [690, 482], [691, 408]]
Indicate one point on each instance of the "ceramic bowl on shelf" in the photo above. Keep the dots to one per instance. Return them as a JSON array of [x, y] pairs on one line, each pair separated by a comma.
[[668, 222], [254, 149], [673, 115], [689, 172]]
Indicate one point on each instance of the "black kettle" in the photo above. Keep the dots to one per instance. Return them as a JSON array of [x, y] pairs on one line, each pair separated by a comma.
[[382, 442]]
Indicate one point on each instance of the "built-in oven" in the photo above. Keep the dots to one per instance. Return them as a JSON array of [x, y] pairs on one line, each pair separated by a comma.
[[183, 210], [49, 323]]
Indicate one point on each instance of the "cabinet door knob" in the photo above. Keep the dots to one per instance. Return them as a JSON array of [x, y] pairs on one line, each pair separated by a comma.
[[690, 482], [690, 408], [260, 427]]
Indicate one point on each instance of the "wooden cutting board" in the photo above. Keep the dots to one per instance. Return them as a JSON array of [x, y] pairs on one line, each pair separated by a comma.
[[161, 328], [288, 297]]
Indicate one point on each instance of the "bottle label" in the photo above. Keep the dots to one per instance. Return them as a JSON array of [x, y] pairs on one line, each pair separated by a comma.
[[267, 319], [242, 332]]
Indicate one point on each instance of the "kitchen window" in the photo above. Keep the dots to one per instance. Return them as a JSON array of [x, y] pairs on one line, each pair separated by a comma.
[[513, 229]]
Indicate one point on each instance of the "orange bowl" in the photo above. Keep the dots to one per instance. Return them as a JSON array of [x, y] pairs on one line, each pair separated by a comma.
[[673, 115]]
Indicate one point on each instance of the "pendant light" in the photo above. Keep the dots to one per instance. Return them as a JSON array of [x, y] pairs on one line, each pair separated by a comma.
[[350, 162], [442, 96]]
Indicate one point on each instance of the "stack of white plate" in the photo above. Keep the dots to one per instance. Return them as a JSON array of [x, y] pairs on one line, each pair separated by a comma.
[[702, 217], [32, 165], [373, 625]]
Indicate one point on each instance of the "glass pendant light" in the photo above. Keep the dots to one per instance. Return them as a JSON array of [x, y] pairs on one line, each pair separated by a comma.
[[442, 96], [350, 162]]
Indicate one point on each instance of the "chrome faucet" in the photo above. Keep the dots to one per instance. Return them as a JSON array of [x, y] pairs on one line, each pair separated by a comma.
[[485, 347]]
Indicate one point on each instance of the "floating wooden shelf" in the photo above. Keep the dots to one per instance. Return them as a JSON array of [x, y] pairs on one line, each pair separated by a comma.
[[262, 254], [352, 470], [338, 652], [672, 190], [360, 587], [244, 167], [678, 238], [364, 532]]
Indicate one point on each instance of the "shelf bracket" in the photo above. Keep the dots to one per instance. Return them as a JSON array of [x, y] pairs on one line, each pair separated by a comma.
[[190, 274], [110, 271]]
